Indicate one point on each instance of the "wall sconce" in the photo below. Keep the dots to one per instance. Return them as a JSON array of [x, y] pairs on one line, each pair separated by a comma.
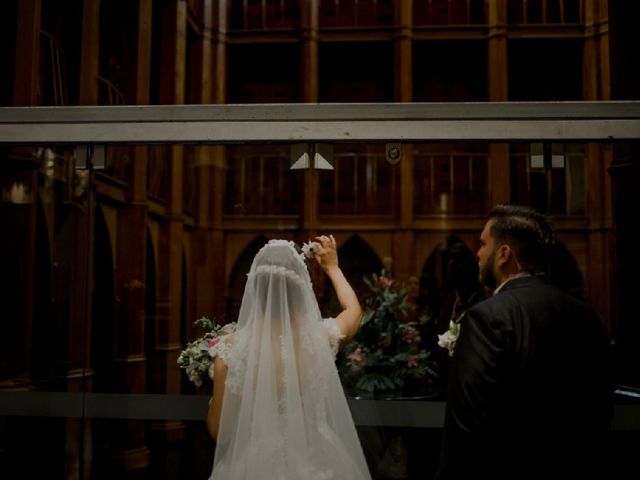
[[322, 154], [17, 193]]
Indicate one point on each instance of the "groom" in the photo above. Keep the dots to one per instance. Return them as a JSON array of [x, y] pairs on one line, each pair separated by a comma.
[[530, 389]]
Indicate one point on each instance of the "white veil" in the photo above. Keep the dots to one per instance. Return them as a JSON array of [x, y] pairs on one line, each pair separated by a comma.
[[284, 413]]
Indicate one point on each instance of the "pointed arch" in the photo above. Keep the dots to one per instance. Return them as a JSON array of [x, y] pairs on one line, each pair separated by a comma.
[[104, 306], [563, 270], [357, 260], [150, 317], [238, 277], [43, 306], [437, 277]]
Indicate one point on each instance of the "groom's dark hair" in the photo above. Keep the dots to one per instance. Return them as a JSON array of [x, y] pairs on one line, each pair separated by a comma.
[[526, 231]]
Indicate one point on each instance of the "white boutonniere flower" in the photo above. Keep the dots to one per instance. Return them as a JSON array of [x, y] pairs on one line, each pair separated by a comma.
[[448, 339]]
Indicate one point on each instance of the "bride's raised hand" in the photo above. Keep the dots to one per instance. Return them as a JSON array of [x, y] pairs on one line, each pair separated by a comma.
[[325, 252]]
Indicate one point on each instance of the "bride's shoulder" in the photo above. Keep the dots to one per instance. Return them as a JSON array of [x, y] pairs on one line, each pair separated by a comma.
[[223, 346]]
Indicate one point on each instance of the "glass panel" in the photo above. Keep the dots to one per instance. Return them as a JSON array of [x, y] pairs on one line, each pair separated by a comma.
[[105, 272]]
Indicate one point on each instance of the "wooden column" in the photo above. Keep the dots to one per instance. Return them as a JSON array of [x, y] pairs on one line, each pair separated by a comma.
[[404, 239], [596, 86], [309, 50], [202, 261], [89, 53], [498, 168], [27, 66], [309, 77], [216, 245]]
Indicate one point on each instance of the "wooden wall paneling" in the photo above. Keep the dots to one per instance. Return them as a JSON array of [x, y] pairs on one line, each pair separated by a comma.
[[27, 59]]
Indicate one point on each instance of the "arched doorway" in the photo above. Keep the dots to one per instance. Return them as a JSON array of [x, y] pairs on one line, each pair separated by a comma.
[[564, 272], [104, 308], [439, 275], [357, 260]]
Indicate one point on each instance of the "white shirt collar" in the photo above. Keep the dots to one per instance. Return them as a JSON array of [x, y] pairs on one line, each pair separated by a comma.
[[517, 275]]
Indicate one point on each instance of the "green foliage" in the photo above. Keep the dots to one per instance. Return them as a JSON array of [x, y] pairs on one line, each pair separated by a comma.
[[390, 350]]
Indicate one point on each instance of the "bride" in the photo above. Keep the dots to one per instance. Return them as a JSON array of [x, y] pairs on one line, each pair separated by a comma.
[[278, 410]]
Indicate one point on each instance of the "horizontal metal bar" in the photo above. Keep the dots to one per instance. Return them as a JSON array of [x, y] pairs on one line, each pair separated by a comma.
[[390, 413], [380, 122]]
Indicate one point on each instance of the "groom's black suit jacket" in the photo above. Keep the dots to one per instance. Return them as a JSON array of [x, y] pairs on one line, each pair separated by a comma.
[[530, 388]]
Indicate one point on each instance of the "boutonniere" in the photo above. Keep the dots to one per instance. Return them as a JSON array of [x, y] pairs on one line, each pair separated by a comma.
[[448, 339]]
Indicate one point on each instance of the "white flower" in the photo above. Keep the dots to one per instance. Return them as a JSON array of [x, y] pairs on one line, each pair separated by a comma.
[[198, 357], [448, 339], [307, 249]]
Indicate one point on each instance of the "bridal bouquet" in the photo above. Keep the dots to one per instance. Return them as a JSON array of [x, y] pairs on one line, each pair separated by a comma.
[[389, 351], [197, 359]]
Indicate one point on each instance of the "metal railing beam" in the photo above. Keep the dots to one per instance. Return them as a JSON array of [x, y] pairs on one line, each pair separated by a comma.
[[260, 123]]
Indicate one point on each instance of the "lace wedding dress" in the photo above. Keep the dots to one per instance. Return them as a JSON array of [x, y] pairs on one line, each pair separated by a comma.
[[284, 414]]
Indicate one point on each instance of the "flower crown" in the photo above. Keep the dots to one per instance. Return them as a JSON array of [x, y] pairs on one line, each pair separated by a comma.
[[306, 251]]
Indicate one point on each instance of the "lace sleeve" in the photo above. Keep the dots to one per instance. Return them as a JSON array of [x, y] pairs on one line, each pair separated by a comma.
[[222, 349], [335, 335]]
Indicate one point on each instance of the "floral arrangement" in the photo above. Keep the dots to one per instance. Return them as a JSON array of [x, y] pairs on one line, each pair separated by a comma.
[[389, 351], [198, 357]]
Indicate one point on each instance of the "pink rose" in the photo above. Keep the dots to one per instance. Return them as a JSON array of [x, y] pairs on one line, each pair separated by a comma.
[[386, 282], [411, 363], [213, 342], [358, 357], [410, 335]]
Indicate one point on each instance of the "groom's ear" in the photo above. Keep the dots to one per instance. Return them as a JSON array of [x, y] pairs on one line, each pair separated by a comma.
[[504, 254]]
